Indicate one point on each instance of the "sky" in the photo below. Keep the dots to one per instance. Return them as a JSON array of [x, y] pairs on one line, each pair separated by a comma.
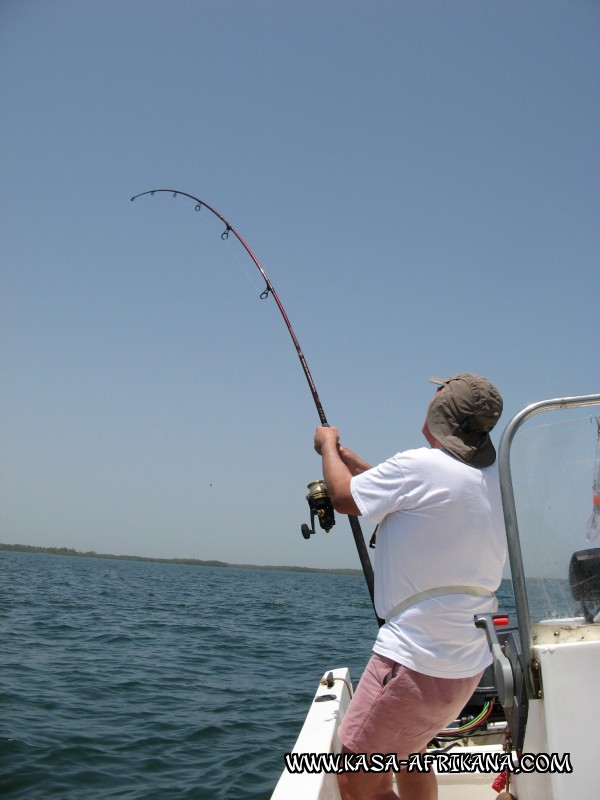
[[419, 180]]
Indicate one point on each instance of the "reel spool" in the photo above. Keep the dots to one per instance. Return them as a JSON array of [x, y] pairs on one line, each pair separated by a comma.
[[320, 506]]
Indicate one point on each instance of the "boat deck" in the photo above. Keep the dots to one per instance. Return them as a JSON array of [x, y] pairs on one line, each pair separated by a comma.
[[319, 736]]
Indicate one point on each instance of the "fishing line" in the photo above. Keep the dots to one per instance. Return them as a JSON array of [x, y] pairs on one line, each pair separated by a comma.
[[231, 251], [251, 277], [270, 290]]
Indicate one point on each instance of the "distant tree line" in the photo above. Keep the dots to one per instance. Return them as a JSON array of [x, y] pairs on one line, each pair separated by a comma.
[[69, 551]]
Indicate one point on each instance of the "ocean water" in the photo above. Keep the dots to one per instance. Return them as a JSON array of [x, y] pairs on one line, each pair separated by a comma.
[[152, 681]]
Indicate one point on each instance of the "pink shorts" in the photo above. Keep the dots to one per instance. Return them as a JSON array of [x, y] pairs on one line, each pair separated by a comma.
[[398, 710]]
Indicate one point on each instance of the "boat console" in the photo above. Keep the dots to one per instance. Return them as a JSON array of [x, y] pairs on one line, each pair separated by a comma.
[[544, 674], [506, 675]]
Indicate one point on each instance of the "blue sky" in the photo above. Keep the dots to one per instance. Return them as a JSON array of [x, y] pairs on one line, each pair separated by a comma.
[[419, 181]]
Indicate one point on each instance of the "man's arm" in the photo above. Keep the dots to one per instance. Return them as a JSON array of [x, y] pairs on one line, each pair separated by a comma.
[[355, 464], [336, 472]]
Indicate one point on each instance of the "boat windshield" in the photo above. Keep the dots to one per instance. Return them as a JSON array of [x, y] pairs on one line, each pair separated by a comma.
[[554, 467]]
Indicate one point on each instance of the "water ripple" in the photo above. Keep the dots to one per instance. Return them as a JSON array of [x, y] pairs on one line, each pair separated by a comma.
[[145, 681]]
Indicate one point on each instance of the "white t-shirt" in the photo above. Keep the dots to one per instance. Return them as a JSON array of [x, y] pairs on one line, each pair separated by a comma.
[[440, 524]]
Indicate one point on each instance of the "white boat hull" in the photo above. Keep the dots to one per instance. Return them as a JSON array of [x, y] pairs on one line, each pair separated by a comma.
[[318, 735]]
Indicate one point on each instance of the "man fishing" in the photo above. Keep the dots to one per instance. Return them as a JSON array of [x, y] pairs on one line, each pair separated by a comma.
[[440, 551]]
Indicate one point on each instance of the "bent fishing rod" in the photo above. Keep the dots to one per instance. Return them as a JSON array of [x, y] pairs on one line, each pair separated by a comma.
[[318, 500]]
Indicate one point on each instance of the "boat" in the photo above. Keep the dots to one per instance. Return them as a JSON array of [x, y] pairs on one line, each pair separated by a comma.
[[528, 731]]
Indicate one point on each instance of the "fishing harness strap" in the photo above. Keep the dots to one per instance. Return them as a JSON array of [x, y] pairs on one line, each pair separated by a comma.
[[439, 591]]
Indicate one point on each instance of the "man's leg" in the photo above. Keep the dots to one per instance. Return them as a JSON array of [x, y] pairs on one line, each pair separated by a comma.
[[417, 785], [363, 785]]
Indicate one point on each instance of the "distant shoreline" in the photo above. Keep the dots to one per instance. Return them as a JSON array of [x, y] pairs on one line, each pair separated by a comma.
[[69, 551]]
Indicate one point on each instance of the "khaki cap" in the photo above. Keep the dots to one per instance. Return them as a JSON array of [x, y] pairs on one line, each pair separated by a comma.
[[461, 416]]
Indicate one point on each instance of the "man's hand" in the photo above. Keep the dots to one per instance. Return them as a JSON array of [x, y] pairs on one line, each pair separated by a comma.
[[336, 473], [326, 437], [355, 463]]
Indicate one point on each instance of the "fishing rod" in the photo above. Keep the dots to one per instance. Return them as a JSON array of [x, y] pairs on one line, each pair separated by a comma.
[[318, 499]]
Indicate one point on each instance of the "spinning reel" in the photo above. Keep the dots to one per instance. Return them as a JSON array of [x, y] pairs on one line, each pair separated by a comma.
[[320, 506]]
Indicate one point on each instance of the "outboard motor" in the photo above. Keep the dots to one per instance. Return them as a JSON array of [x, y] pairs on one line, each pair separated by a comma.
[[584, 582]]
